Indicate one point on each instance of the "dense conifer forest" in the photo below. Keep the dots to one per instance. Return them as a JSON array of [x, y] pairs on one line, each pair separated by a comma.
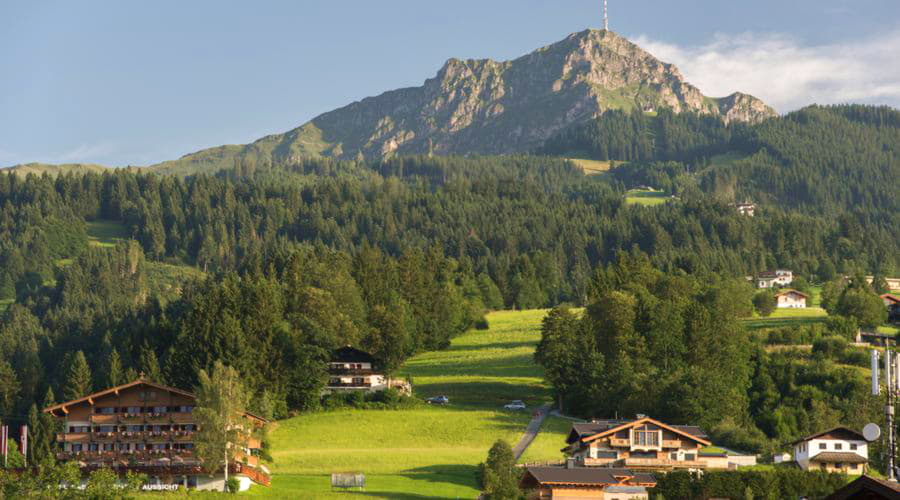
[[289, 261]]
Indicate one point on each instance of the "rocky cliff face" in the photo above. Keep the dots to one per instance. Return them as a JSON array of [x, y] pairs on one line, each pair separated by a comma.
[[490, 107]]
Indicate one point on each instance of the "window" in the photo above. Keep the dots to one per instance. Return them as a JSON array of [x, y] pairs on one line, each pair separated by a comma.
[[93, 446], [646, 437], [690, 457], [673, 455], [186, 409], [134, 410], [160, 409], [823, 446], [607, 454], [76, 447], [358, 380], [140, 446], [838, 446], [852, 466], [853, 446], [839, 465], [105, 410]]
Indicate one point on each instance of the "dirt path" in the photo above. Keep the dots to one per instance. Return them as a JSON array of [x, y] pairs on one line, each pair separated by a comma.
[[531, 431]]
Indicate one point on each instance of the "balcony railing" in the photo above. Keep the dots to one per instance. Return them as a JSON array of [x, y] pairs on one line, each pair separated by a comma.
[[664, 463], [619, 442], [101, 419], [349, 384], [352, 371], [671, 443]]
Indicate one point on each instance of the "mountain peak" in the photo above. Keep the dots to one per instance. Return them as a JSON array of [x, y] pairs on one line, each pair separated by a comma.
[[484, 106]]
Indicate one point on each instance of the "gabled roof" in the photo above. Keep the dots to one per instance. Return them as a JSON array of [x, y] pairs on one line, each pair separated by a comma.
[[845, 430], [348, 354], [866, 484], [115, 390], [890, 297], [691, 432], [589, 476], [791, 290]]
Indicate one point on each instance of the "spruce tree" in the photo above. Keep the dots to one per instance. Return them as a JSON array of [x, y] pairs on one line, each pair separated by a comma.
[[114, 374], [150, 365], [78, 377], [9, 387]]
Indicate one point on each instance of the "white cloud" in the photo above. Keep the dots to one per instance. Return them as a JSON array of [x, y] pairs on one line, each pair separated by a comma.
[[786, 74]]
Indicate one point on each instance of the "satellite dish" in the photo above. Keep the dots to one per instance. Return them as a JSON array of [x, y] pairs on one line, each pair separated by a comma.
[[871, 432]]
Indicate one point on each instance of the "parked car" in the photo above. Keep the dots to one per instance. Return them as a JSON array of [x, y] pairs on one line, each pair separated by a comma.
[[438, 400], [515, 405]]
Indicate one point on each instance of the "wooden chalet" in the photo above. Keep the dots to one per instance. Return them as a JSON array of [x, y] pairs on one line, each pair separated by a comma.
[[581, 482], [149, 428], [867, 488], [641, 444]]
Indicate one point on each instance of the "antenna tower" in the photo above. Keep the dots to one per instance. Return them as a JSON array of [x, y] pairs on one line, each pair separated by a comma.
[[892, 390], [605, 16]]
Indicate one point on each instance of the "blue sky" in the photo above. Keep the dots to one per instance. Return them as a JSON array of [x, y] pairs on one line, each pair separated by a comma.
[[128, 82]]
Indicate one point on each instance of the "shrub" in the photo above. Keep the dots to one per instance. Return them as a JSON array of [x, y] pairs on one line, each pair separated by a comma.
[[832, 347], [764, 303]]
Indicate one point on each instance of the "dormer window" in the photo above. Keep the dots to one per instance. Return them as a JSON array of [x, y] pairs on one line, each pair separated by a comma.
[[645, 437]]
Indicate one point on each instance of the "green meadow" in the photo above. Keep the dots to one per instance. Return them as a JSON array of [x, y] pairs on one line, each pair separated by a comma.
[[787, 317], [646, 198], [104, 233], [424, 452]]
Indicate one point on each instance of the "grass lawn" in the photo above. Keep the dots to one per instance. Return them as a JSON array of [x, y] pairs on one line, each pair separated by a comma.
[[105, 233], [787, 317], [646, 198], [427, 452], [592, 166], [548, 443]]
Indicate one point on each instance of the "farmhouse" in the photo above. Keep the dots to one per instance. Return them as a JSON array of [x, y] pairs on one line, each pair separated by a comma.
[[580, 482], [892, 283], [641, 444], [147, 428], [892, 303], [790, 299], [354, 370], [835, 450], [774, 278], [746, 208]]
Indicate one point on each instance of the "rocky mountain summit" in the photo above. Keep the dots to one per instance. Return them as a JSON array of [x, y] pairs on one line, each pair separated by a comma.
[[489, 107]]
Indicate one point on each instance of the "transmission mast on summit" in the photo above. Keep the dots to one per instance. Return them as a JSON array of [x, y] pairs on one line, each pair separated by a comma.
[[605, 16]]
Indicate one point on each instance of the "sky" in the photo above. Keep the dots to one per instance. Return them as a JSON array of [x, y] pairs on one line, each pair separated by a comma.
[[134, 83]]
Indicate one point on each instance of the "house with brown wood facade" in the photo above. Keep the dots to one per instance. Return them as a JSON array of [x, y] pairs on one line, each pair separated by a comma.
[[642, 444], [599, 483], [148, 428], [351, 369]]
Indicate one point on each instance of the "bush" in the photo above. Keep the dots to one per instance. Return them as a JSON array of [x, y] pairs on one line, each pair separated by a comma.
[[778, 483], [832, 347], [842, 325], [232, 485], [764, 303], [855, 357]]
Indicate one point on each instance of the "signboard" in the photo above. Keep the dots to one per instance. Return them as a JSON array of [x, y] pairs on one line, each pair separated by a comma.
[[348, 481]]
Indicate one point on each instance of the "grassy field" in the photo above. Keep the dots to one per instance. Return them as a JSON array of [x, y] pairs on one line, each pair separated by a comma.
[[645, 197], [427, 452], [547, 445], [787, 317], [104, 233], [592, 166]]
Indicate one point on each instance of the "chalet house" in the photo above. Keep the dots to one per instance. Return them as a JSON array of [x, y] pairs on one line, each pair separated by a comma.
[[836, 450], [746, 208], [641, 444], [867, 488], [892, 303], [892, 283], [354, 370], [790, 299], [147, 428], [775, 279], [582, 482]]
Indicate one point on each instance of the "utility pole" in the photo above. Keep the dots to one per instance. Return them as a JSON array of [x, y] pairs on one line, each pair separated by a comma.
[[605, 16], [891, 387]]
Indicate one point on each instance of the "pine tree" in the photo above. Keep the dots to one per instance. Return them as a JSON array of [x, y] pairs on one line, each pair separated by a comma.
[[114, 373], [9, 387], [150, 365], [78, 377]]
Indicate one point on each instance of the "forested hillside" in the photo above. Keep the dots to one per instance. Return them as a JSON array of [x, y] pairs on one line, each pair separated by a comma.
[[281, 263]]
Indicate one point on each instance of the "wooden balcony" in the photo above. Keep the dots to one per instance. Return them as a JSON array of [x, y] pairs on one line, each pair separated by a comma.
[[156, 435], [182, 436], [157, 418], [108, 419], [72, 437], [619, 442], [349, 385], [181, 418], [104, 437], [131, 418], [663, 463], [671, 443]]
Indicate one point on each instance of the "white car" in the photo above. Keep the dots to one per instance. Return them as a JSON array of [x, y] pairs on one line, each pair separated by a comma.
[[515, 406]]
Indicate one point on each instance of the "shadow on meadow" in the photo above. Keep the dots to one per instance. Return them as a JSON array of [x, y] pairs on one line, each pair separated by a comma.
[[515, 365]]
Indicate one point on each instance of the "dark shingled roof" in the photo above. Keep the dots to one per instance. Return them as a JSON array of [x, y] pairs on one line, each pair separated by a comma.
[[838, 457], [867, 487], [839, 429], [588, 475], [348, 354]]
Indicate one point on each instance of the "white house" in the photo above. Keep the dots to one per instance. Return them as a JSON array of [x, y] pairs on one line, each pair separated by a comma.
[[776, 278], [353, 370], [790, 299], [836, 450]]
